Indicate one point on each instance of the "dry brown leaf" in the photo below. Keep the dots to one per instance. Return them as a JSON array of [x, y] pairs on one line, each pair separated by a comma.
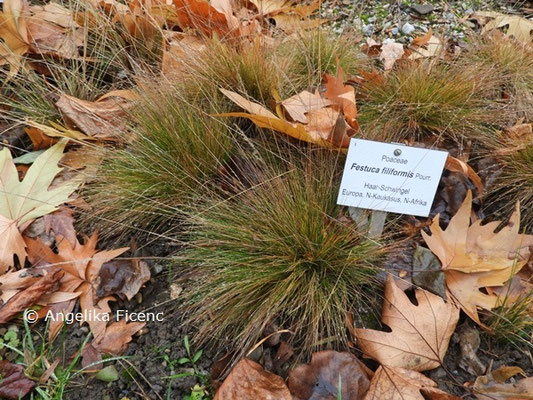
[[123, 278], [517, 26], [179, 50], [29, 296], [264, 118], [117, 336], [432, 48], [493, 387], [249, 381], [291, 23], [390, 53], [402, 384], [302, 103], [455, 165], [475, 257], [320, 379], [342, 96], [271, 6], [14, 34], [102, 119], [12, 282], [11, 244], [203, 17], [61, 223], [49, 38], [420, 333], [22, 202], [55, 13], [14, 384], [81, 264], [38, 139]]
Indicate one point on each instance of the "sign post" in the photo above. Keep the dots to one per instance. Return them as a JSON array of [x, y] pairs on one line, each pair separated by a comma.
[[388, 177]]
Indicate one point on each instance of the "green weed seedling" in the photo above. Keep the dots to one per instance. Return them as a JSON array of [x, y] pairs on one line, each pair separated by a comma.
[[200, 391]]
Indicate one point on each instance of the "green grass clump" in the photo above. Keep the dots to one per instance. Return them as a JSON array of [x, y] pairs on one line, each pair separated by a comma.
[[511, 60], [309, 55], [280, 253], [515, 182], [512, 322], [426, 100], [175, 150], [249, 69]]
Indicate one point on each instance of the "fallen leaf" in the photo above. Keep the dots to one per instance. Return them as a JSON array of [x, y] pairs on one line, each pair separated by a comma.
[[29, 296], [117, 336], [291, 23], [420, 333], [394, 383], [55, 13], [493, 387], [38, 139], [203, 17], [455, 165], [518, 27], [14, 34], [14, 384], [264, 118], [474, 257], [12, 244], [61, 223], [100, 119], [390, 53], [49, 38], [271, 6], [123, 278], [432, 48], [300, 104], [469, 342], [341, 95], [249, 381], [24, 201], [321, 378], [81, 264]]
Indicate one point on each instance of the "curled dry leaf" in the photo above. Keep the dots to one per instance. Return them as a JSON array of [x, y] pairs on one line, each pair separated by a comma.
[[117, 336], [474, 257], [342, 97], [204, 18], [123, 278], [493, 387], [455, 165], [518, 27], [420, 333], [30, 295], [14, 384], [61, 223], [264, 118], [14, 34], [101, 119], [328, 121], [249, 381], [394, 383], [12, 244], [81, 264], [302, 103], [21, 202], [320, 379], [390, 53]]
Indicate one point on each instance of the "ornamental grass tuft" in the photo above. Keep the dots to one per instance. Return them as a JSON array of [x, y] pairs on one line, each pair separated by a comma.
[[279, 253]]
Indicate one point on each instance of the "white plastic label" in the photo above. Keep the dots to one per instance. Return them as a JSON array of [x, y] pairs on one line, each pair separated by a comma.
[[390, 177]]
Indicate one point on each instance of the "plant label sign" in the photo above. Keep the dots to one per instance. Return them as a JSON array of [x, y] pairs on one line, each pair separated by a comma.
[[390, 177]]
